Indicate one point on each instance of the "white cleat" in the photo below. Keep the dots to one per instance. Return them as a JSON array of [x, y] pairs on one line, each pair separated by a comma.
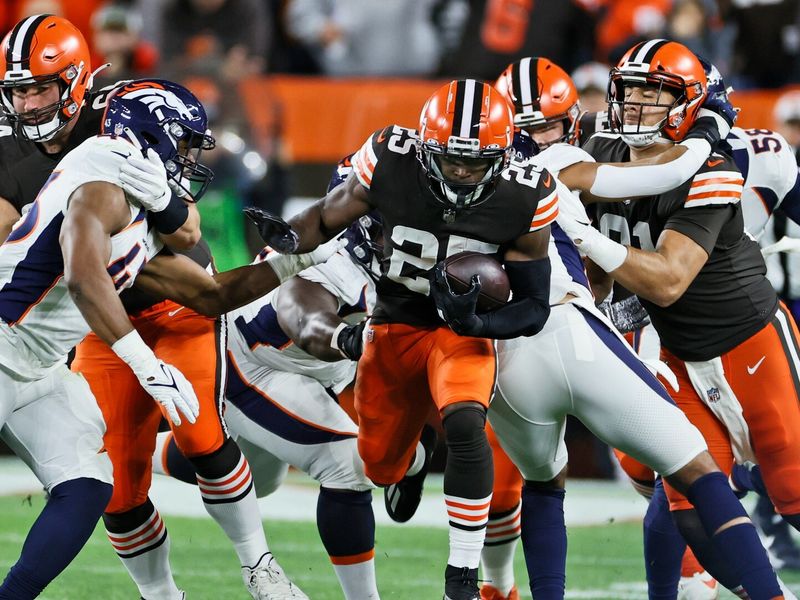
[[700, 586], [267, 581]]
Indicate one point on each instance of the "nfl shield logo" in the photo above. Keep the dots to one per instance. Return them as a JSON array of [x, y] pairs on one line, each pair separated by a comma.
[[713, 394], [370, 334]]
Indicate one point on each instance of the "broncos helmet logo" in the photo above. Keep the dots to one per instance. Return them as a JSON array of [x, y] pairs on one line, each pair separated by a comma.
[[155, 97]]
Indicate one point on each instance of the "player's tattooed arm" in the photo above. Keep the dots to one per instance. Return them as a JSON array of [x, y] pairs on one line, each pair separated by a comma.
[[96, 211]]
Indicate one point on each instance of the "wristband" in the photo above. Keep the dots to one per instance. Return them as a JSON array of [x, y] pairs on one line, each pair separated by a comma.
[[605, 252], [335, 338], [135, 353], [287, 266], [172, 217]]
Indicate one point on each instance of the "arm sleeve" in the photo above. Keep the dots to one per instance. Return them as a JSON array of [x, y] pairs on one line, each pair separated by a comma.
[[650, 180], [529, 308]]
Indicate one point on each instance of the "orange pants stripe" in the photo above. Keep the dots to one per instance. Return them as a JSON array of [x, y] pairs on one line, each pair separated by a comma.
[[178, 336], [406, 372]]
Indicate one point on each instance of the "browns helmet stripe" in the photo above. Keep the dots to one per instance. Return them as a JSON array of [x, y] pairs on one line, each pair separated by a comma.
[[467, 108], [646, 51], [19, 44], [526, 83]]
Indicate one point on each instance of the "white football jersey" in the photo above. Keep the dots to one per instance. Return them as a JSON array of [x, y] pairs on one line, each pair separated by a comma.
[[255, 336], [36, 310], [568, 275], [768, 164]]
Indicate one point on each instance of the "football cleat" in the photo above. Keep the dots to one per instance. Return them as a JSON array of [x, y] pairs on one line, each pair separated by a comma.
[[700, 586], [461, 583], [489, 592], [402, 498], [267, 581]]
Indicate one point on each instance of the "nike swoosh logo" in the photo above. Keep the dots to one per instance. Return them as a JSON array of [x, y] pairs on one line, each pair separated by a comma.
[[172, 313], [382, 135], [754, 368], [547, 181], [171, 383], [120, 154], [714, 163]]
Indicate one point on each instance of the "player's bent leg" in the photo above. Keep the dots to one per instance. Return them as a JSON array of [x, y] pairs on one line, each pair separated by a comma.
[[726, 523], [58, 534], [503, 527], [71, 467], [402, 499], [468, 492]]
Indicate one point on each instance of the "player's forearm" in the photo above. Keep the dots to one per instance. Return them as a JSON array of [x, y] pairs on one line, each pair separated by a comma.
[[188, 234], [650, 275], [310, 228], [96, 298], [316, 334], [235, 288]]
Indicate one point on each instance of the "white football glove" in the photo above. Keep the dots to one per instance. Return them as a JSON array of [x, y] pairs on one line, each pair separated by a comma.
[[165, 383], [287, 266], [145, 179], [179, 188]]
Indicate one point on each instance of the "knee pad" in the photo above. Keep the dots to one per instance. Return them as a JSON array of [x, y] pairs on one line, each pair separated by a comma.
[[218, 463], [465, 429]]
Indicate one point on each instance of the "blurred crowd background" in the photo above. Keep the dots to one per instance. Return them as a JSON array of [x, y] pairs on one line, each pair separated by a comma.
[[293, 85]]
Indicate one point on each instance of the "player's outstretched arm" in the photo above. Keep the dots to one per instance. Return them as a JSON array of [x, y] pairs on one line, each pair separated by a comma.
[[308, 313], [184, 281]]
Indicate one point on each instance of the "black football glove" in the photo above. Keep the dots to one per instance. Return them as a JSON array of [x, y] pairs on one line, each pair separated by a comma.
[[457, 310], [276, 232], [626, 315], [350, 340]]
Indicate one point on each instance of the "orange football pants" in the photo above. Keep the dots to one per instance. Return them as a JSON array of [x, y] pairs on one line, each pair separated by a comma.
[[764, 374], [405, 372], [181, 337]]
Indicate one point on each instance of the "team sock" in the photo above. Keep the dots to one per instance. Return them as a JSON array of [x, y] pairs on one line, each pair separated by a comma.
[[226, 486], [56, 537], [663, 548], [716, 505], [497, 556], [544, 541], [346, 526], [141, 541]]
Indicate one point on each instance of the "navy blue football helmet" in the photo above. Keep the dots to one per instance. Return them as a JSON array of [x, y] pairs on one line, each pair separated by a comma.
[[168, 118]]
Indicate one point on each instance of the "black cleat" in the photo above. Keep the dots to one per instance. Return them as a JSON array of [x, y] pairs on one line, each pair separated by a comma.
[[461, 583], [402, 499]]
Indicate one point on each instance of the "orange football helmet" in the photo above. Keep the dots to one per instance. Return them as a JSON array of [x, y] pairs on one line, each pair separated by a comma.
[[659, 65], [39, 50], [541, 93], [469, 122]]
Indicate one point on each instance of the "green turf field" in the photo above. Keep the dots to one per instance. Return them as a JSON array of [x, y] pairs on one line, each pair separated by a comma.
[[604, 561]]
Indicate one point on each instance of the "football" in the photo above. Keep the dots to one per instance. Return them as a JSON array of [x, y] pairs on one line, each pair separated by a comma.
[[495, 288]]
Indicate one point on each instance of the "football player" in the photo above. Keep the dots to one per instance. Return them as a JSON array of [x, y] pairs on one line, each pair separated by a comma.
[[61, 270], [289, 354], [51, 110], [451, 186], [655, 94]]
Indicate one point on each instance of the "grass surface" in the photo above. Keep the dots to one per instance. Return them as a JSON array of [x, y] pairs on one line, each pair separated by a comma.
[[604, 561]]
